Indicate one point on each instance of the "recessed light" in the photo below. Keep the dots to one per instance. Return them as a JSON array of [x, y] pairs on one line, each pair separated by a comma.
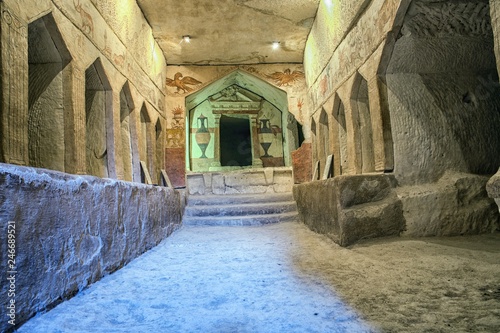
[[276, 45], [186, 38]]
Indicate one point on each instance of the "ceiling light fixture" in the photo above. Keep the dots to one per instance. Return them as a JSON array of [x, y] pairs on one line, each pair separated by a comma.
[[276, 45], [186, 38]]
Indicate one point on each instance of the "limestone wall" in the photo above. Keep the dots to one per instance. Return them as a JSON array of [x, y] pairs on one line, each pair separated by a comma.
[[63, 39], [443, 92], [73, 230], [410, 88]]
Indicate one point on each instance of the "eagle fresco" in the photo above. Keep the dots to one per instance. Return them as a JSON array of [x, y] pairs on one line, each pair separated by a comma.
[[181, 83], [285, 78]]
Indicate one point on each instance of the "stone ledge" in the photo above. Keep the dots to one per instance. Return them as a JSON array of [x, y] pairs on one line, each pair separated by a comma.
[[72, 230], [457, 204], [350, 208]]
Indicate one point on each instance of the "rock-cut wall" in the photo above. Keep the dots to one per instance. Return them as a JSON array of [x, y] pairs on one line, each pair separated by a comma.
[[70, 231]]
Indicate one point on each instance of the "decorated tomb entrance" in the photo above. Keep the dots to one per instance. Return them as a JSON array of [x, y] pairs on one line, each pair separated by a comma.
[[239, 122]]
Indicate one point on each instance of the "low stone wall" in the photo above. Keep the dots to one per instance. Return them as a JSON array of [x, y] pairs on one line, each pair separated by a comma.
[[457, 204], [244, 181], [350, 208], [72, 230]]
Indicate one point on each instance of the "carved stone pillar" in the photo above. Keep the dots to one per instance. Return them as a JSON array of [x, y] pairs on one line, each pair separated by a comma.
[[216, 162], [74, 112], [14, 76], [256, 161]]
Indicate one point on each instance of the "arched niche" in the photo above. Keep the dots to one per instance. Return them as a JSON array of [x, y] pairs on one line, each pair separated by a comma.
[[341, 136], [127, 130], [159, 152], [242, 116], [98, 113], [323, 139], [144, 138], [48, 56], [314, 135], [362, 122]]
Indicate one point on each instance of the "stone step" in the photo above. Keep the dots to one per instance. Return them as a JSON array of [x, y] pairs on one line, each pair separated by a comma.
[[238, 199], [248, 220], [260, 208]]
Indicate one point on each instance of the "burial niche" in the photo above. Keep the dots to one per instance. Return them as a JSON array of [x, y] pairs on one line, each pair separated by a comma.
[[98, 101], [47, 58], [158, 150], [126, 125], [145, 143], [339, 115], [324, 139], [363, 125]]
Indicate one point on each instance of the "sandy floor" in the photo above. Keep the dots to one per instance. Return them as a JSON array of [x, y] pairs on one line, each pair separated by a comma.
[[285, 278]]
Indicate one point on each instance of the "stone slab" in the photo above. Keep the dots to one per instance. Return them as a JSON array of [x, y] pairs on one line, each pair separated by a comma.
[[73, 230]]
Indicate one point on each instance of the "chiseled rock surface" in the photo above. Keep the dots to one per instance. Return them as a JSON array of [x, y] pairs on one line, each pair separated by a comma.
[[244, 181], [455, 205], [72, 230], [350, 208]]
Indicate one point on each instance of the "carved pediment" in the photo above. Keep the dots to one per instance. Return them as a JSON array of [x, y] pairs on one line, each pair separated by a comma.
[[235, 98]]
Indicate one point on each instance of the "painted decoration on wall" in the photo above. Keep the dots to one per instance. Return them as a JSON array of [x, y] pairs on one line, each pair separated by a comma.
[[285, 78], [178, 117], [181, 83], [175, 137], [202, 135], [87, 21], [300, 104]]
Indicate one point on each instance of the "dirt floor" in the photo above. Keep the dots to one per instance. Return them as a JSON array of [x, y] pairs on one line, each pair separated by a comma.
[[285, 278]]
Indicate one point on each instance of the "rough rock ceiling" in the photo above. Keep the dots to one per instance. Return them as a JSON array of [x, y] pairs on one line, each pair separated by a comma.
[[230, 31]]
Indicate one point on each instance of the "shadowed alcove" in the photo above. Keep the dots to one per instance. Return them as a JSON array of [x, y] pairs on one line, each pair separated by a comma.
[[235, 149], [98, 102], [47, 57]]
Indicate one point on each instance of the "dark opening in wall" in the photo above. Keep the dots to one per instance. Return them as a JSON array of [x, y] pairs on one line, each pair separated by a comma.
[[339, 115], [47, 58], [159, 163], [235, 141], [98, 105]]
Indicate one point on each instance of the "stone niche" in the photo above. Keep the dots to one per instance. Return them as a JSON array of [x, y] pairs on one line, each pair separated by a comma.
[[73, 230], [350, 208]]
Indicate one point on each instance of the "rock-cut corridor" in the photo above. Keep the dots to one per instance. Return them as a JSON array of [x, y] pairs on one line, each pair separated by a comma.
[[285, 278]]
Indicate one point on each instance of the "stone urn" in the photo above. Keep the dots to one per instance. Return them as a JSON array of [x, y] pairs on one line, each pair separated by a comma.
[[202, 135]]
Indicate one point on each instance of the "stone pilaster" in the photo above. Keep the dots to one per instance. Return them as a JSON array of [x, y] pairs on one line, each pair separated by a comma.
[[256, 161], [114, 143], [74, 112], [216, 162]]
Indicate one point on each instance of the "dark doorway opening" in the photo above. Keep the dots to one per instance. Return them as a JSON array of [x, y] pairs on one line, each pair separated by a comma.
[[235, 141]]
